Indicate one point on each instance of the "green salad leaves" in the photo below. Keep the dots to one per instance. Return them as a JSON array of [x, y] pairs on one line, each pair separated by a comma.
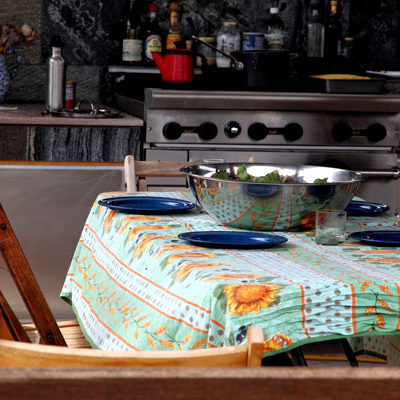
[[271, 177]]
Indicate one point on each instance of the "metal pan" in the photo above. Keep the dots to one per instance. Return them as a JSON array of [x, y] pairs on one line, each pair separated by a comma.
[[354, 86]]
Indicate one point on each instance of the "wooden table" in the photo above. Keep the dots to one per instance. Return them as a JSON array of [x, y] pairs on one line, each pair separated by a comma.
[[135, 286]]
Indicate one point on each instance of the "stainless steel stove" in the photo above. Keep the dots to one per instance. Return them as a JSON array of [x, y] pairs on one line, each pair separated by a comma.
[[358, 132]]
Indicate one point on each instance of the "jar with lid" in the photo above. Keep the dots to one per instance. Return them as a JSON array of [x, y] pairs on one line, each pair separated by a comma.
[[275, 36], [228, 40]]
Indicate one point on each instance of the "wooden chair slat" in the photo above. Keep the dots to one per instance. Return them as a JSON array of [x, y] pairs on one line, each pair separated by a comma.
[[18, 354], [136, 172]]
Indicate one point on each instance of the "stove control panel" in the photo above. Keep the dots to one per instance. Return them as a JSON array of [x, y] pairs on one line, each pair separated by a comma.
[[343, 131], [272, 128], [205, 131], [232, 129], [291, 132]]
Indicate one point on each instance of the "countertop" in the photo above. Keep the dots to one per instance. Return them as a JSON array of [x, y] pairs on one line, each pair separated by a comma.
[[31, 115]]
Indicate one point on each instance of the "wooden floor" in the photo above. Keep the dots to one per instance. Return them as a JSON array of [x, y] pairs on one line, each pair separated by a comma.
[[330, 354]]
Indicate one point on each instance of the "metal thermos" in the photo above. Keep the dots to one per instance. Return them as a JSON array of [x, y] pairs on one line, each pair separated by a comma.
[[56, 81]]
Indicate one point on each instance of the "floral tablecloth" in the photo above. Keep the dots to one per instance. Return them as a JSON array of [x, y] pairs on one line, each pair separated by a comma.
[[135, 286]]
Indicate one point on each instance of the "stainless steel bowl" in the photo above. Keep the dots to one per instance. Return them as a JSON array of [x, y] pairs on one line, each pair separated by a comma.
[[271, 206]]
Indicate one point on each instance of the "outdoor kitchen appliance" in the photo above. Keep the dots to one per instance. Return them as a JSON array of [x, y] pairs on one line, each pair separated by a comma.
[[356, 132]]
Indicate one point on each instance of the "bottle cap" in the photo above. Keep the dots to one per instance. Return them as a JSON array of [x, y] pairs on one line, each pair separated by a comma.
[[152, 8], [56, 42], [315, 17], [174, 6], [229, 23]]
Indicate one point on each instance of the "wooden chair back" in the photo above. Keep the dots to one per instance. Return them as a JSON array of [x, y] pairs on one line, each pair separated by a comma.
[[136, 172], [29, 290], [18, 354]]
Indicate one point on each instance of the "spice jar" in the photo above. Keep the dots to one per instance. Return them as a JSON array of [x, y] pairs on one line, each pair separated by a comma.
[[228, 40]]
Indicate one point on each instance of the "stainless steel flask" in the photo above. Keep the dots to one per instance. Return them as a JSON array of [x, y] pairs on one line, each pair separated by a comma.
[[56, 80]]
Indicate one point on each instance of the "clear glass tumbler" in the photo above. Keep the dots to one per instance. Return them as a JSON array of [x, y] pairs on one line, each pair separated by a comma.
[[330, 226]]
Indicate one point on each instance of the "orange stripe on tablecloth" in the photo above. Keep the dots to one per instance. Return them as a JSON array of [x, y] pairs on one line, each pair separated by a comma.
[[353, 311], [141, 299], [398, 297], [291, 212], [303, 305], [77, 284], [143, 277], [277, 213], [243, 214], [101, 322], [345, 265], [185, 195], [394, 346], [220, 200]]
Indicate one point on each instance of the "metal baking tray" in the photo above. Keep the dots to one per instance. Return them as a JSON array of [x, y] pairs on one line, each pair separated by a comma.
[[354, 86], [79, 112], [98, 113]]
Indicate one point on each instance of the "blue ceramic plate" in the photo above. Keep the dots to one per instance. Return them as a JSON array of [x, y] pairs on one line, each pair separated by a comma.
[[355, 208], [146, 205], [232, 240], [378, 238]]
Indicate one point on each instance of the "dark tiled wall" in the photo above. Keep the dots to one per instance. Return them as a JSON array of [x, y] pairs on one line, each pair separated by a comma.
[[91, 28], [377, 24]]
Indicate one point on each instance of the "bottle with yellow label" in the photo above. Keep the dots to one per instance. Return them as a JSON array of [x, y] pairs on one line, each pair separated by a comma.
[[152, 36], [174, 28]]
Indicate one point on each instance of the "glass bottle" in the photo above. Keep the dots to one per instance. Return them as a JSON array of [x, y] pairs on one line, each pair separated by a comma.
[[275, 37], [228, 40], [174, 28], [333, 39], [132, 43], [315, 35], [152, 36]]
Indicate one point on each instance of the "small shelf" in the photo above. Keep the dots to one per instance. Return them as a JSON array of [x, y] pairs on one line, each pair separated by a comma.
[[133, 70], [125, 69]]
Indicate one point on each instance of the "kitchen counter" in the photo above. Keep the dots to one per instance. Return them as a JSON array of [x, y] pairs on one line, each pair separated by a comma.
[[31, 115]]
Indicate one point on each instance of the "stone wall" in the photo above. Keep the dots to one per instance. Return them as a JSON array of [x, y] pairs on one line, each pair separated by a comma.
[[66, 144]]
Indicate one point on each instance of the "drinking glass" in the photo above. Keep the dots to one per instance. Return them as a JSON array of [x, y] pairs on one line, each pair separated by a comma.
[[330, 226]]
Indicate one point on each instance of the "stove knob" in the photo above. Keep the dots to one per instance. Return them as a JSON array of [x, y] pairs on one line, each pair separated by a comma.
[[292, 132], [376, 132], [232, 129], [341, 132], [207, 131], [172, 130], [257, 131]]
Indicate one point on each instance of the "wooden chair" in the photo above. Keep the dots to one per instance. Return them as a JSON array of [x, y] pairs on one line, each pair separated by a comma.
[[45, 328], [136, 172], [18, 354]]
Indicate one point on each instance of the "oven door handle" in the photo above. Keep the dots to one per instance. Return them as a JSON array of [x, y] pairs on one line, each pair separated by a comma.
[[394, 173]]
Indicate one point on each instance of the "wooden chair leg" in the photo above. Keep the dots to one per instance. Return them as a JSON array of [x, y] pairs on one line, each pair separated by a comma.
[[27, 285], [10, 327], [348, 351]]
